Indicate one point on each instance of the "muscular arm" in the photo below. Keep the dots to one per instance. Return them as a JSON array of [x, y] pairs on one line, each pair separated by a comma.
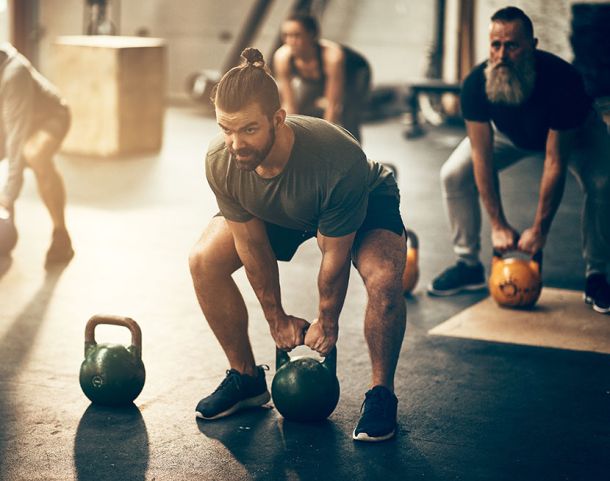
[[558, 147], [281, 67], [504, 237], [333, 276], [332, 285], [259, 261], [334, 70]]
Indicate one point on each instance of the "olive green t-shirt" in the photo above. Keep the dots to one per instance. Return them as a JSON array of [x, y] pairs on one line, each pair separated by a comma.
[[324, 186]]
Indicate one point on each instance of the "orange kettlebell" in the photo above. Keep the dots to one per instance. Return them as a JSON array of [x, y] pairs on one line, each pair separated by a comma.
[[516, 282], [410, 276]]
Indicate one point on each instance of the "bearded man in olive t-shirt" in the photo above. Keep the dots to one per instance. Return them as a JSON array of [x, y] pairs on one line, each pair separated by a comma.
[[280, 180]]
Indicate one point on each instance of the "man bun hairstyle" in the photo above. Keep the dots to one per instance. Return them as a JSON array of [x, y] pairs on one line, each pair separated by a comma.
[[511, 14], [253, 56], [249, 82]]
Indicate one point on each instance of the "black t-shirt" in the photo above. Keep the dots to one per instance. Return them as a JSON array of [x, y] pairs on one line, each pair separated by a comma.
[[558, 102]]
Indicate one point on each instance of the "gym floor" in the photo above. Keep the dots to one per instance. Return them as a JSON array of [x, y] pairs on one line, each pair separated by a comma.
[[468, 409]]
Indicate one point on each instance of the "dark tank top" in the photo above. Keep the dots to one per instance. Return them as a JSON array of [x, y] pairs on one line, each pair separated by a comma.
[[313, 88]]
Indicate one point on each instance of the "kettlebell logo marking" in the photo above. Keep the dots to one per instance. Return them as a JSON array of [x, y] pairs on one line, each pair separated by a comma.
[[97, 381], [509, 288]]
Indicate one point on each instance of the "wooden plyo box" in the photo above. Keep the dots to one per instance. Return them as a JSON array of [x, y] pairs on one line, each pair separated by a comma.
[[115, 88]]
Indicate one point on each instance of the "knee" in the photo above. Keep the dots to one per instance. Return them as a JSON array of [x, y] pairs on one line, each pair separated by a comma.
[[34, 158], [456, 177], [597, 186], [384, 288], [199, 260], [38, 152], [208, 262]]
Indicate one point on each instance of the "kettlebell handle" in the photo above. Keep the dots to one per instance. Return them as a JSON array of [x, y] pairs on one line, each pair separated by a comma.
[[412, 239], [536, 259], [330, 360], [136, 333]]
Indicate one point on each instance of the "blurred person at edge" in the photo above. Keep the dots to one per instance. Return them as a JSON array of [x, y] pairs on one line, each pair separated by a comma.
[[34, 121]]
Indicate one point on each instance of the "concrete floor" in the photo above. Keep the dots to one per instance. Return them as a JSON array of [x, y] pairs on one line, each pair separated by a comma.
[[469, 410]]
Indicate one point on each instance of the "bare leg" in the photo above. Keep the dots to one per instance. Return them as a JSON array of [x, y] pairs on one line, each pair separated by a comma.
[[380, 260], [39, 151], [212, 262]]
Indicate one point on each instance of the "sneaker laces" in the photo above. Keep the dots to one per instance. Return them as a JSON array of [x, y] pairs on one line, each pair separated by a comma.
[[451, 272], [460, 270], [233, 378], [374, 402]]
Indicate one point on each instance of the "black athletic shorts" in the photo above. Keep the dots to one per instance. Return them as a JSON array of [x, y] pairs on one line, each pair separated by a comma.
[[382, 213]]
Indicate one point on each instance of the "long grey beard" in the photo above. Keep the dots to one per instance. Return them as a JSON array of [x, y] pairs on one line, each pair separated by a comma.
[[510, 85]]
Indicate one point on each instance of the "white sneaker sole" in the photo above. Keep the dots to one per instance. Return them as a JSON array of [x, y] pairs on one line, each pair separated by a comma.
[[370, 439], [589, 300], [457, 290], [252, 402]]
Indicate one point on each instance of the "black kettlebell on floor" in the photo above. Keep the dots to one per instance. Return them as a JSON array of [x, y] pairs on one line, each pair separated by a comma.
[[8, 232], [303, 388], [112, 374]]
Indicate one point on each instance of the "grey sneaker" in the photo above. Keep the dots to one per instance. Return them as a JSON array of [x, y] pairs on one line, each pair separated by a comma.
[[378, 419], [458, 278], [237, 391]]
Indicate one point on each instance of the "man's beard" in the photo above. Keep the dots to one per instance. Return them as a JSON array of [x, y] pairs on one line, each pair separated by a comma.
[[256, 157], [510, 84]]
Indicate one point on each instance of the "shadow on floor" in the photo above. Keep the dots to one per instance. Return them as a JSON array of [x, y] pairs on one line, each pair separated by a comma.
[[269, 447], [111, 444], [5, 265], [15, 347]]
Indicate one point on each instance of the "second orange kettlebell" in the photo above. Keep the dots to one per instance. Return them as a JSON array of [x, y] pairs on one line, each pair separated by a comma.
[[410, 275]]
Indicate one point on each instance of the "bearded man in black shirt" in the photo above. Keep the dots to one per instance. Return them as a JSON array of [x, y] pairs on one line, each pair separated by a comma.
[[525, 102]]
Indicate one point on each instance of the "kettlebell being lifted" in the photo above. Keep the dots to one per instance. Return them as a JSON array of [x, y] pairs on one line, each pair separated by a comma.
[[516, 282], [305, 389], [112, 374], [410, 275]]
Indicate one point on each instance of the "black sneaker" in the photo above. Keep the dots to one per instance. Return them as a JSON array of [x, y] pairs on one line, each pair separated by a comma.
[[237, 391], [457, 278], [597, 293], [378, 419]]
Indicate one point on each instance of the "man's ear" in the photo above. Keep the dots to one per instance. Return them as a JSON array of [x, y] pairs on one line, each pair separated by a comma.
[[279, 117]]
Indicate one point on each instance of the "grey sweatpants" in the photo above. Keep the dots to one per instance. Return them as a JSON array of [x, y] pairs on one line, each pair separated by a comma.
[[590, 164]]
